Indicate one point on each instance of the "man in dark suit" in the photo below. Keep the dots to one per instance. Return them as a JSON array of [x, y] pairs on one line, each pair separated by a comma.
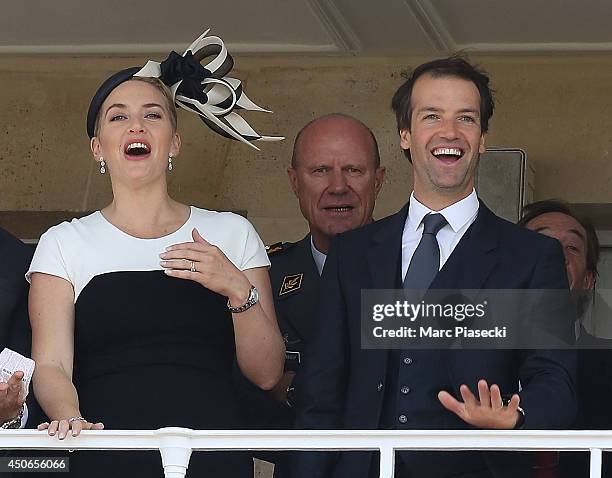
[[14, 326], [336, 175], [577, 235], [442, 112]]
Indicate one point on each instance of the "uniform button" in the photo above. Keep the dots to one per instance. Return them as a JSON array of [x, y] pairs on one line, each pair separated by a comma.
[[402, 418], [379, 387], [407, 360], [405, 390]]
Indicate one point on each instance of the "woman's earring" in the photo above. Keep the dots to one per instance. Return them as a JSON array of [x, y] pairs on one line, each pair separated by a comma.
[[102, 166], [169, 162]]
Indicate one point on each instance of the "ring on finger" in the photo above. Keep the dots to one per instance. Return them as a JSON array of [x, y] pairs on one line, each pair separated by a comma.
[[193, 267]]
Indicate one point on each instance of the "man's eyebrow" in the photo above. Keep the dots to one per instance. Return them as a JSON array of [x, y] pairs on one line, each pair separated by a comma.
[[469, 110], [578, 233], [574, 231], [429, 108], [437, 110]]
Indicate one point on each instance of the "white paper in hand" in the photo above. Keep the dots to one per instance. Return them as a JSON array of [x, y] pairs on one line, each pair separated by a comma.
[[11, 362]]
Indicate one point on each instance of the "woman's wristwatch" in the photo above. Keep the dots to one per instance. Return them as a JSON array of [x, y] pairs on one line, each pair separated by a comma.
[[251, 301], [13, 423]]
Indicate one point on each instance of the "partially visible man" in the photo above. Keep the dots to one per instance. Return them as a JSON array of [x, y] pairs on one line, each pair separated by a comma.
[[14, 325], [336, 175], [443, 238], [578, 238]]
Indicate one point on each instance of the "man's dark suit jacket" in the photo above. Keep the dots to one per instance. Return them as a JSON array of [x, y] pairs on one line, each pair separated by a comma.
[[344, 386], [15, 331]]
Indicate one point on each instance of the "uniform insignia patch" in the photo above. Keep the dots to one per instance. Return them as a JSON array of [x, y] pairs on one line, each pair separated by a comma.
[[291, 283], [275, 248]]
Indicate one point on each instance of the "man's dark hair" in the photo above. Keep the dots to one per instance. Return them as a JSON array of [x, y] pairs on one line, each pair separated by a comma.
[[375, 150], [454, 66], [535, 209]]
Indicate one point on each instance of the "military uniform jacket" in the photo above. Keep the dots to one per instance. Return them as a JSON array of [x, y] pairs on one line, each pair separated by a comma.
[[295, 285], [295, 288]]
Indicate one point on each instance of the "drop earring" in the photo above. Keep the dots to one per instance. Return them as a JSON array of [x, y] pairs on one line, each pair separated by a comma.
[[102, 166], [170, 162]]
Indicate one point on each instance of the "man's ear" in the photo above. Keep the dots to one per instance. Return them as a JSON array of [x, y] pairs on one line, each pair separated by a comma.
[[293, 179], [482, 148], [589, 280], [379, 177], [405, 138]]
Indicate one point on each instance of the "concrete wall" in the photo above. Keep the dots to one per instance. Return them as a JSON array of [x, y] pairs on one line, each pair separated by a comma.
[[557, 108]]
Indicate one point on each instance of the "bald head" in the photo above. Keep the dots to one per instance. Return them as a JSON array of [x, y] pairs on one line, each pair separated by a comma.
[[335, 124], [335, 173]]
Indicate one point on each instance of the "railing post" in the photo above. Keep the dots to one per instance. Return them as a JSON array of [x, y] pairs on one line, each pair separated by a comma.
[[175, 449], [387, 462], [595, 463]]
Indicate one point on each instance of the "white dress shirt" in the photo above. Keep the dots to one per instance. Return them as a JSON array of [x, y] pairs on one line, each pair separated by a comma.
[[459, 218], [318, 256]]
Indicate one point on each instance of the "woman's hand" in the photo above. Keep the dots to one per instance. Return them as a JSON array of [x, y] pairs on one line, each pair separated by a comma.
[[62, 427], [259, 346], [206, 264], [11, 397]]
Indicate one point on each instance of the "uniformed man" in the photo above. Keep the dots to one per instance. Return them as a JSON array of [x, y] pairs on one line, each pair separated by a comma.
[[336, 175]]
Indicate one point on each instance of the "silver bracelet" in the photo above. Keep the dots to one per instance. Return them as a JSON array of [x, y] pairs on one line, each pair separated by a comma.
[[250, 302], [14, 422]]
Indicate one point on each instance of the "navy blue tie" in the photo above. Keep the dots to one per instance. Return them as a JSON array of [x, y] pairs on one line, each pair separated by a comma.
[[425, 262]]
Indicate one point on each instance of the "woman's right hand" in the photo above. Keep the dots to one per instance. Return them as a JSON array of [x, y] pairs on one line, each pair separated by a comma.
[[62, 427]]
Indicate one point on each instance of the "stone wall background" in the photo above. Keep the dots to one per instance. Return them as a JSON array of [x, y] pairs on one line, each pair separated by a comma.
[[556, 108]]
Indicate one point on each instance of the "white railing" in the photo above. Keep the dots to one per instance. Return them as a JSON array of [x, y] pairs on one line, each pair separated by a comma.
[[176, 444]]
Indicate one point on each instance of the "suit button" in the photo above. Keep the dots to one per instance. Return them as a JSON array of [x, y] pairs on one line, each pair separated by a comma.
[[405, 390], [379, 387], [402, 418], [407, 360]]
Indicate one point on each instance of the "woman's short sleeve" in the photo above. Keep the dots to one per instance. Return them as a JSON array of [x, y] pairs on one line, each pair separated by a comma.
[[254, 252], [50, 256]]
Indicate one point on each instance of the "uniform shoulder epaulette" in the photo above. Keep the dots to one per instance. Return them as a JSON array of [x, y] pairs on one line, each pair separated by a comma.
[[277, 248]]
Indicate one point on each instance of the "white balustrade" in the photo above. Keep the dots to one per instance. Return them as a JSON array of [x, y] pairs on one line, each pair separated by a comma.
[[177, 444]]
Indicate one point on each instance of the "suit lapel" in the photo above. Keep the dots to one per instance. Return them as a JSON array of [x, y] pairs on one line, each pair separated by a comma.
[[384, 258], [385, 252], [475, 257]]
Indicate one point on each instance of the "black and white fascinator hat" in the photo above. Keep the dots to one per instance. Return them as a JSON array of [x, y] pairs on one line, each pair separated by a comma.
[[201, 89]]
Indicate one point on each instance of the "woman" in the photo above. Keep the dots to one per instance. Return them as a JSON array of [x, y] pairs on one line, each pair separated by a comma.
[[158, 298]]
